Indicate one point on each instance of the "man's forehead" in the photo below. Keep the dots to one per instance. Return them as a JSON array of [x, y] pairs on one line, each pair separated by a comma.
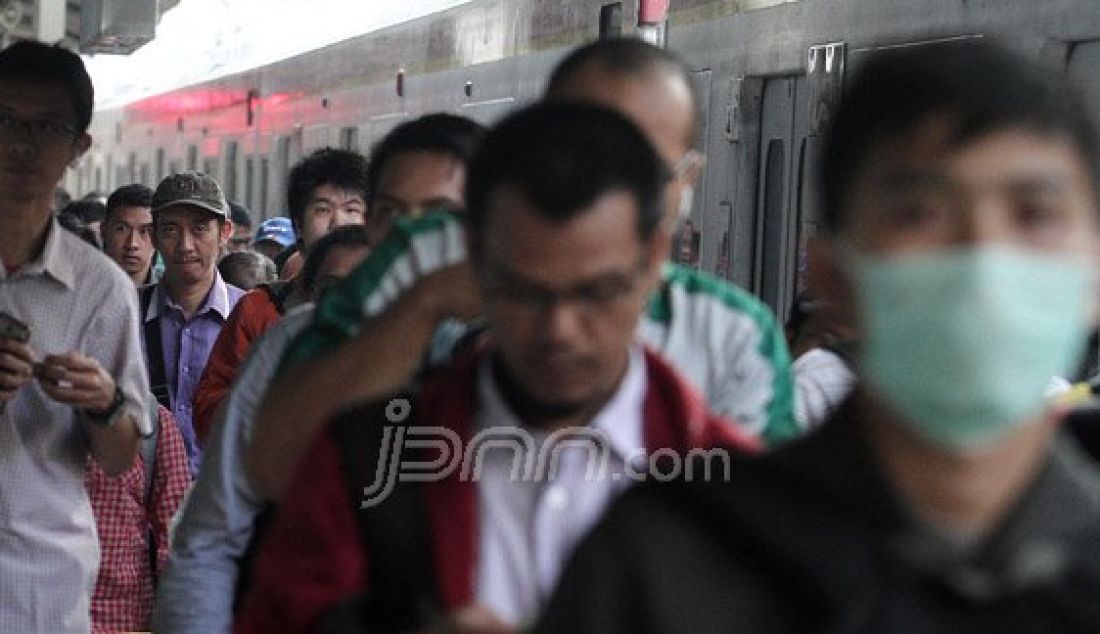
[[933, 151], [330, 192], [41, 99], [132, 212]]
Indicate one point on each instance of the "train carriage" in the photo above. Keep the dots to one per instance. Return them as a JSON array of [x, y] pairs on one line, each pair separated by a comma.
[[767, 73]]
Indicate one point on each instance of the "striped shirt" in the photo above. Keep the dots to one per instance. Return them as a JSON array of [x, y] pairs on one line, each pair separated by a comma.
[[74, 299], [724, 340]]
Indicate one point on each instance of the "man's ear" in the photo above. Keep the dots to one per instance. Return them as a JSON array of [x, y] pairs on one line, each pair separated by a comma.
[[830, 284], [658, 248], [226, 233], [80, 146]]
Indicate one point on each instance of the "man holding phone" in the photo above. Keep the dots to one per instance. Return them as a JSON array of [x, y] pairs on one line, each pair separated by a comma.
[[72, 379]]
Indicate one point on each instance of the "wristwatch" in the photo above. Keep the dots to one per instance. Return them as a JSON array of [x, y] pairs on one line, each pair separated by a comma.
[[107, 417]]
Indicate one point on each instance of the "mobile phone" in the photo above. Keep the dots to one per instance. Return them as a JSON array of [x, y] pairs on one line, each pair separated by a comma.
[[12, 328]]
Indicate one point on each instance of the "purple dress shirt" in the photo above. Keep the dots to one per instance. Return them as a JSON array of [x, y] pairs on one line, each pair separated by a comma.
[[186, 346]]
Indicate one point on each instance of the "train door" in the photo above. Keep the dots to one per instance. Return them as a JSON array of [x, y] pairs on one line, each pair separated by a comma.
[[776, 222], [697, 243]]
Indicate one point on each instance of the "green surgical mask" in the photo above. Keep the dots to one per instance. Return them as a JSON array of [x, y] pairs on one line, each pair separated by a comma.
[[962, 343]]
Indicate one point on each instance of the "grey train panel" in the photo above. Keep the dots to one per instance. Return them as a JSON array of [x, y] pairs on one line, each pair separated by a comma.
[[752, 232]]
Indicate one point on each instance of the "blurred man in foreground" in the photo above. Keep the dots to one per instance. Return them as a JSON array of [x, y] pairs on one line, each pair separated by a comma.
[[961, 207]]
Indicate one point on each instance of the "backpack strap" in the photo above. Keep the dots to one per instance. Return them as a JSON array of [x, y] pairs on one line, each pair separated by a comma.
[[278, 292], [402, 594], [154, 349], [148, 448]]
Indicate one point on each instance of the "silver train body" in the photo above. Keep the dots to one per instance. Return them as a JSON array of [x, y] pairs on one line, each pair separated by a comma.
[[767, 73]]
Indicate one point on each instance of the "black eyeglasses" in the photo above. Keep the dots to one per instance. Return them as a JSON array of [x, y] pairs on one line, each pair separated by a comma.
[[35, 129], [590, 297]]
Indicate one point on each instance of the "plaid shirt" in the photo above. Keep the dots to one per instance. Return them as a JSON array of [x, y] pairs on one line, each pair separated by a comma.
[[124, 590]]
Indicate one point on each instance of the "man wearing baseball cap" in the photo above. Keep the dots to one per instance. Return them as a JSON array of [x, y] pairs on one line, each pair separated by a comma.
[[184, 312], [275, 235]]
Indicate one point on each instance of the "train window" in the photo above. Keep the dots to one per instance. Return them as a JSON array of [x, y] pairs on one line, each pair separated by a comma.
[[611, 20], [265, 175], [192, 157], [159, 166], [249, 172], [229, 183], [131, 168], [349, 138], [143, 175], [98, 179], [210, 166], [174, 167]]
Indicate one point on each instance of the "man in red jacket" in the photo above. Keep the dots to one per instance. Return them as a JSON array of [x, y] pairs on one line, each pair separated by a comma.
[[550, 417]]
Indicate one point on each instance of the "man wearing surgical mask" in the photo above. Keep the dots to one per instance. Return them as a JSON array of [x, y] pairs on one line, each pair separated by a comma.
[[961, 206]]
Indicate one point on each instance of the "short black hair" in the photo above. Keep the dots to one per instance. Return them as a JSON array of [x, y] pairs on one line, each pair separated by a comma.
[[344, 236], [88, 211], [134, 195], [44, 64], [247, 269], [75, 224], [561, 157], [239, 215], [439, 133], [626, 57], [980, 86], [328, 166]]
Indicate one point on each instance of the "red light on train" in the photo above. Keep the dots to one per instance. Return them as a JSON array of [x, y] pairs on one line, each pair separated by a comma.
[[652, 11]]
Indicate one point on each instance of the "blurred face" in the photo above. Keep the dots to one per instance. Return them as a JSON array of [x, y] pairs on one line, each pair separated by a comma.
[[128, 240], [38, 139], [338, 263], [661, 105], [564, 299], [190, 240], [329, 207], [921, 194], [414, 182], [270, 248], [242, 237]]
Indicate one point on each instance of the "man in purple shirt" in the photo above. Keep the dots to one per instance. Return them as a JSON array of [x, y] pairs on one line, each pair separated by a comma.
[[185, 311]]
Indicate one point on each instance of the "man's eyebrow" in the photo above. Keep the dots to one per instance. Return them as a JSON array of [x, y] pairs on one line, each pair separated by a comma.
[[517, 279], [1051, 183], [443, 201]]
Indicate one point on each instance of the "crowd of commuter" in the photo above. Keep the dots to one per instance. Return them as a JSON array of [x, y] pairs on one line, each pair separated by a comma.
[[461, 386]]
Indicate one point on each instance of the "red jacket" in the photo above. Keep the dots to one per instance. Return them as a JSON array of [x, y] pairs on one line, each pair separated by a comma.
[[313, 556], [254, 313]]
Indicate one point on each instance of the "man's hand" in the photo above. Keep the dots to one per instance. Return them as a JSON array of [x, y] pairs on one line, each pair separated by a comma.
[[76, 380], [450, 292], [16, 367], [472, 619]]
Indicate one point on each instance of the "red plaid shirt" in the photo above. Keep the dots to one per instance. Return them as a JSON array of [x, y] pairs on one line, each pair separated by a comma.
[[124, 590]]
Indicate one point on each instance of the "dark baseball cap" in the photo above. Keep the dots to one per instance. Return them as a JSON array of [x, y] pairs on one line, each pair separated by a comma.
[[191, 188]]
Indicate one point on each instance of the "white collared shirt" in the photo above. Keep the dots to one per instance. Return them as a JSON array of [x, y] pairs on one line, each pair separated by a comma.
[[529, 526], [74, 299]]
